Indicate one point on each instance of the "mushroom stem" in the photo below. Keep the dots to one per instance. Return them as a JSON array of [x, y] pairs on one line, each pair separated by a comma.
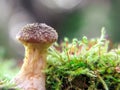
[[32, 69], [35, 59]]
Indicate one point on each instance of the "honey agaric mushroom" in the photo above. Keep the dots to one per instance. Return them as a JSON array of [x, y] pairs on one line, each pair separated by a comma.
[[36, 39]]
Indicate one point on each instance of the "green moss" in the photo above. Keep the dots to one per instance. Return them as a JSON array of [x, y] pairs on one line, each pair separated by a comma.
[[7, 71], [83, 64]]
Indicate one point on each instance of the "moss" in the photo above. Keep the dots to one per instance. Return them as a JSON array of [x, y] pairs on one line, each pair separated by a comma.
[[83, 65]]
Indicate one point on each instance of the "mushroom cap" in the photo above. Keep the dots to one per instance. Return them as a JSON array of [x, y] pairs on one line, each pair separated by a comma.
[[37, 33]]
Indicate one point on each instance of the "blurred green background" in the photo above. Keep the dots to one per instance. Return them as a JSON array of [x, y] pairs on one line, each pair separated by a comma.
[[71, 18]]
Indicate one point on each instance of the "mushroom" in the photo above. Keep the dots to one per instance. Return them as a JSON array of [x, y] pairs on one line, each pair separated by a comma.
[[36, 38]]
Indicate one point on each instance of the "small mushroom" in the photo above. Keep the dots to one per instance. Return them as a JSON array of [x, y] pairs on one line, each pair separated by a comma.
[[36, 39]]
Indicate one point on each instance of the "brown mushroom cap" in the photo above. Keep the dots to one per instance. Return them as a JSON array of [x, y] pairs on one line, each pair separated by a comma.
[[37, 33]]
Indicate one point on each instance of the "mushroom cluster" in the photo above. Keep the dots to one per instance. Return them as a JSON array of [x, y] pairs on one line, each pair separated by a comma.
[[36, 38]]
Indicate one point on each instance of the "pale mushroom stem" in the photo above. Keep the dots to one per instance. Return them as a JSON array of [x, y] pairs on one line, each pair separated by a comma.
[[32, 72], [35, 59]]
